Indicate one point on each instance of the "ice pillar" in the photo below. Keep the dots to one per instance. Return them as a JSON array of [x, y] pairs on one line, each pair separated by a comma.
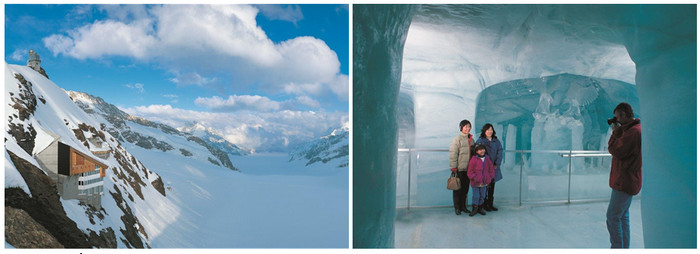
[[663, 45], [379, 33]]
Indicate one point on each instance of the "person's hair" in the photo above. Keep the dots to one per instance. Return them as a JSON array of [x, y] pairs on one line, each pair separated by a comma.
[[463, 123], [486, 127], [625, 108], [479, 147]]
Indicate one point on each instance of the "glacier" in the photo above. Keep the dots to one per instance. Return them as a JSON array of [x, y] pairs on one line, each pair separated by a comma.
[[443, 56]]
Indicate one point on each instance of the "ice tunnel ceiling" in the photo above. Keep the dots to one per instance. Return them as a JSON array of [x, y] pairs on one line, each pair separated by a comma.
[[480, 45]]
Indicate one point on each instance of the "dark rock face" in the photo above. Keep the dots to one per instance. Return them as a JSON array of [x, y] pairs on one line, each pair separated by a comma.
[[131, 177], [213, 161], [25, 101], [146, 142], [106, 239], [185, 152], [44, 206], [223, 157], [25, 104], [46, 210], [323, 150], [132, 238], [43, 72], [158, 184], [21, 231], [25, 138]]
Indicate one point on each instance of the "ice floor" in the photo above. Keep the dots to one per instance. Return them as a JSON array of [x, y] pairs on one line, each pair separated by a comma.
[[532, 226]]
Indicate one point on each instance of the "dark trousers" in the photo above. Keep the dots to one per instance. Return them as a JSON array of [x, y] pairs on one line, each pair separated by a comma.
[[459, 197], [489, 193]]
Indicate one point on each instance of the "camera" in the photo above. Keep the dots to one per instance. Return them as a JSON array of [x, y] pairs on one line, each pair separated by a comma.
[[612, 120]]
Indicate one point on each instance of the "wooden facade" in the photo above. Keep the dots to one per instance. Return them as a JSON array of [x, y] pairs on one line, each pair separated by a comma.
[[73, 162]]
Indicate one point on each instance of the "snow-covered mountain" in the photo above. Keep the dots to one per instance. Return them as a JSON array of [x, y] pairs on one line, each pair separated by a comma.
[[332, 149], [39, 112], [201, 144], [214, 139]]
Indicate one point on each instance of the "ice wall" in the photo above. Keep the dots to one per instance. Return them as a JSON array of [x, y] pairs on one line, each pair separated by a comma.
[[379, 32], [662, 42]]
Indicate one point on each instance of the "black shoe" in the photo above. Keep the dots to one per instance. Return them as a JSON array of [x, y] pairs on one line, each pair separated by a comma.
[[473, 212], [493, 208], [464, 209], [486, 206], [481, 211], [458, 212]]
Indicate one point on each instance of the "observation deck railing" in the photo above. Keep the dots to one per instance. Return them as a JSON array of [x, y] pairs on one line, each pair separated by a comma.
[[529, 177]]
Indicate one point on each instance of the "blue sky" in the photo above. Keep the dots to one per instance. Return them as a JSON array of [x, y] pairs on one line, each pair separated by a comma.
[[166, 62]]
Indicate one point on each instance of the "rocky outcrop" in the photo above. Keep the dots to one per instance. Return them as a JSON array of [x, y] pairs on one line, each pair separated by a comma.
[[21, 231], [328, 148], [121, 131], [25, 104], [158, 185], [184, 152], [131, 233], [44, 206], [146, 142], [223, 157], [43, 72]]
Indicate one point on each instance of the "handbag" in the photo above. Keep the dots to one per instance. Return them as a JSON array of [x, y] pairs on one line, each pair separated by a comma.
[[453, 182]]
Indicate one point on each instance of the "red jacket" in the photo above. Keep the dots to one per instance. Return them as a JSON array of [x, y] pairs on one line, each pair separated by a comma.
[[480, 173], [625, 145]]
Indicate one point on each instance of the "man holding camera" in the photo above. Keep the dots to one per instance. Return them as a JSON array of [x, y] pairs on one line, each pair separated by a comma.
[[625, 146]]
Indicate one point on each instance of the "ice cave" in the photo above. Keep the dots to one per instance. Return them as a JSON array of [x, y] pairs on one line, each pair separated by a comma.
[[554, 74]]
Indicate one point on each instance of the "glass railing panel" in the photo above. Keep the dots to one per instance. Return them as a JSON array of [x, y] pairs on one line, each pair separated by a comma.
[[528, 177], [430, 181], [589, 176], [402, 179], [545, 177], [507, 190]]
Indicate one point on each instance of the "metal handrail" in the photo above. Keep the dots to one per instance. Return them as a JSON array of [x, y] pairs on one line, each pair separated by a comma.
[[592, 152], [588, 155], [563, 153]]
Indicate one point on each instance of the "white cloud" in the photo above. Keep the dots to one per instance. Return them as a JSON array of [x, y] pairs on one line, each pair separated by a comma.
[[228, 30], [277, 12], [308, 101], [138, 87], [303, 88], [239, 102], [19, 55], [198, 43], [104, 38], [339, 86], [254, 103], [125, 12], [192, 78], [263, 131], [58, 44]]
